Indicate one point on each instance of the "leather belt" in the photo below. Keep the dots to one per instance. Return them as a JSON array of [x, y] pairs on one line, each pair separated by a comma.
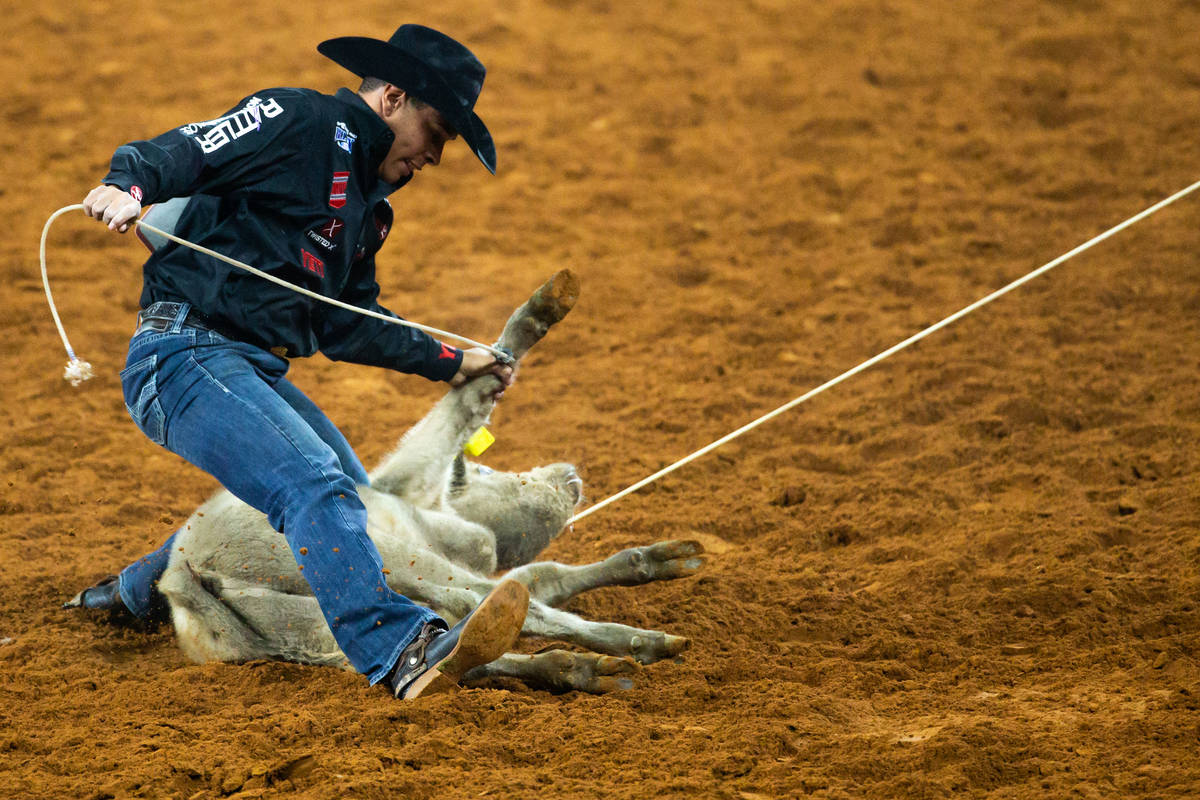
[[161, 315]]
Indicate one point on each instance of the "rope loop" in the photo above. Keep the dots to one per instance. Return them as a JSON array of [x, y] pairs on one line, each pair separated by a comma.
[[78, 371]]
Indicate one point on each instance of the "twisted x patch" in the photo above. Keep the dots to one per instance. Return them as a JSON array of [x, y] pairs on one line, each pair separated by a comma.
[[327, 235]]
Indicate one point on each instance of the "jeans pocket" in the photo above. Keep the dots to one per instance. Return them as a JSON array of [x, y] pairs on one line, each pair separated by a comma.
[[141, 399]]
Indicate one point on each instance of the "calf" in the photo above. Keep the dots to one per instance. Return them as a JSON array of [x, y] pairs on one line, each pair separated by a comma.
[[443, 526]]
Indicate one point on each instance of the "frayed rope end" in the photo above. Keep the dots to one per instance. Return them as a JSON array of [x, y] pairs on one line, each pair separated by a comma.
[[77, 371]]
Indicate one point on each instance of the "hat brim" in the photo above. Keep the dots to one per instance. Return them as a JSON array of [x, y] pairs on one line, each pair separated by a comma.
[[367, 57]]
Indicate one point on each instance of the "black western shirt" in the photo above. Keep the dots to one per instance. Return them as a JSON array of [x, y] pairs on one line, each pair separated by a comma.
[[286, 181]]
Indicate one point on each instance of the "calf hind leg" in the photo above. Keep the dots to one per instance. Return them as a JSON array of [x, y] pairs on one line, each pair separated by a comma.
[[612, 638], [555, 584], [562, 671], [218, 618]]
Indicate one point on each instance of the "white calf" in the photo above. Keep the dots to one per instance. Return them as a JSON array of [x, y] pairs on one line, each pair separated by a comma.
[[443, 526]]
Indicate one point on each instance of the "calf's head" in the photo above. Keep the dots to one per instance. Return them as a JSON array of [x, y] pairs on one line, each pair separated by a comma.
[[525, 510]]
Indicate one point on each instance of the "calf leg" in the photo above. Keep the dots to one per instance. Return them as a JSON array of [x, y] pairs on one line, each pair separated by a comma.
[[218, 618], [554, 584], [548, 305], [561, 671], [645, 646], [419, 469], [451, 591]]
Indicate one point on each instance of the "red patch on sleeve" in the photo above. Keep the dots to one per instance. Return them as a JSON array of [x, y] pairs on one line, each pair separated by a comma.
[[313, 264], [337, 193]]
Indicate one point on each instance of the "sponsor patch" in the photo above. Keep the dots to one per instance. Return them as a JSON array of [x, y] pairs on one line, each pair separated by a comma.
[[216, 133], [313, 264], [343, 138], [136, 193], [327, 234], [332, 228], [447, 351], [337, 193], [320, 241]]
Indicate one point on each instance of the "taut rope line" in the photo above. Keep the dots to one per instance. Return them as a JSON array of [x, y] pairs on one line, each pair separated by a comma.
[[78, 371], [890, 351]]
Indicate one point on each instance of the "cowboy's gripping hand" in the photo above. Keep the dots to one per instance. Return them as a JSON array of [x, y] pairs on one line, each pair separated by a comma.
[[112, 206], [480, 361]]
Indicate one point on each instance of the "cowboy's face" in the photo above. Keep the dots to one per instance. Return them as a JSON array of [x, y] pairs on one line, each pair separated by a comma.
[[420, 131]]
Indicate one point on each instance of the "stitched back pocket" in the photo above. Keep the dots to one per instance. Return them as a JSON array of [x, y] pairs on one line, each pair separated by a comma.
[[141, 398]]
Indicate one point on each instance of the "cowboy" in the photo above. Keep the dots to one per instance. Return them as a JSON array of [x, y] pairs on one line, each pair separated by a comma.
[[295, 182]]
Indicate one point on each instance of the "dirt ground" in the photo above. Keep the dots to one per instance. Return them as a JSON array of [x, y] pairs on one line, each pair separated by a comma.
[[969, 572]]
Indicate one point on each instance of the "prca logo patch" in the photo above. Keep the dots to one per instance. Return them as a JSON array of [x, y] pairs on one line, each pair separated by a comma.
[[343, 138]]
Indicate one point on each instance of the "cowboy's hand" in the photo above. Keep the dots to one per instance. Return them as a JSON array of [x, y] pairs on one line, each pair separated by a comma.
[[114, 207], [479, 361]]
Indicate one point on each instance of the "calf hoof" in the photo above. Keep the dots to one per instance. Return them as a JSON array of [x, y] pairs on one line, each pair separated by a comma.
[[555, 298], [675, 559], [650, 646], [588, 672], [548, 305], [662, 561]]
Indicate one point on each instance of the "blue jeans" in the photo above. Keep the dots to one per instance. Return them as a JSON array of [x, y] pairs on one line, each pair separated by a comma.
[[225, 406]]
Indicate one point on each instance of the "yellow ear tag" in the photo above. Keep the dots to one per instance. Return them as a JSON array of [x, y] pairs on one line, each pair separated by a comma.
[[481, 441]]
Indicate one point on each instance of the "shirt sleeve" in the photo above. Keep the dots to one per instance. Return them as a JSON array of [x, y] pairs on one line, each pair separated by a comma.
[[249, 144], [347, 336]]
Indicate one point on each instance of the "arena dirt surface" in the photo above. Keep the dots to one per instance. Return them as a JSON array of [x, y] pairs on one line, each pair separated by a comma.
[[969, 572]]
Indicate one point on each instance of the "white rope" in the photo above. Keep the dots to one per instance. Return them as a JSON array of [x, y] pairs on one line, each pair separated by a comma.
[[890, 351], [78, 371]]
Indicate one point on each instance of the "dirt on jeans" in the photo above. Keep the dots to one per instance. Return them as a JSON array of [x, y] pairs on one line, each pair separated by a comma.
[[970, 571]]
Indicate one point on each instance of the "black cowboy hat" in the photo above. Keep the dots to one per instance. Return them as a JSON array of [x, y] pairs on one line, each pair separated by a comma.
[[431, 67]]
